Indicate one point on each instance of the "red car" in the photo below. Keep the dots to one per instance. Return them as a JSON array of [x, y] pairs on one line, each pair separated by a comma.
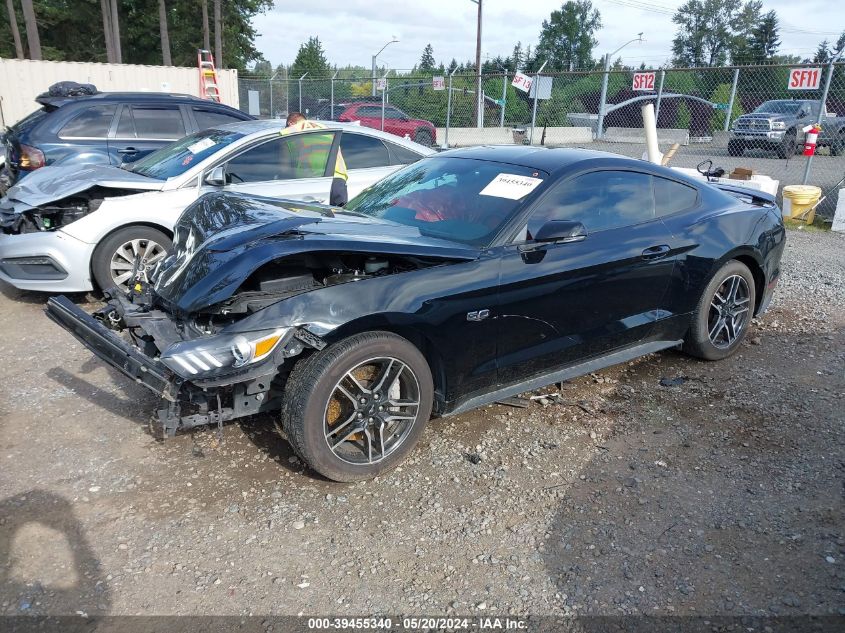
[[395, 121]]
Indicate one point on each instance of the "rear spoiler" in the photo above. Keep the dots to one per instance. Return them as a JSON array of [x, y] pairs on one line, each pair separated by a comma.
[[755, 195]]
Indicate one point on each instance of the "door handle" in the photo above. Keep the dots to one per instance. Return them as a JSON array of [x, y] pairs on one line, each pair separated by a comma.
[[127, 150], [656, 252]]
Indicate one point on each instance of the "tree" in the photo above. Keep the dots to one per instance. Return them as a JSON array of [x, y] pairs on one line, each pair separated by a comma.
[[206, 37], [105, 7], [822, 55], [765, 39], [840, 43], [427, 62], [115, 23], [747, 19], [218, 34], [32, 40], [165, 38], [453, 65], [517, 57], [706, 32], [13, 25], [567, 38], [311, 59]]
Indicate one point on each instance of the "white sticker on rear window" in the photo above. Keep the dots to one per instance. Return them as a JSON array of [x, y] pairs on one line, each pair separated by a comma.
[[200, 146], [511, 186]]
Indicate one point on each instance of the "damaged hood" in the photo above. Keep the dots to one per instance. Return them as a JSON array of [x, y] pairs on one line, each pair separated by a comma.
[[50, 184], [223, 237]]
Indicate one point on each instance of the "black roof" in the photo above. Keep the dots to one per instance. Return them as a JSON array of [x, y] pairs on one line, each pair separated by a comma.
[[543, 158], [135, 97]]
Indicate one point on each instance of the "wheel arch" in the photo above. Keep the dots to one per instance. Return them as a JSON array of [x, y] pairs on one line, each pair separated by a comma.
[[152, 225], [399, 325], [754, 262]]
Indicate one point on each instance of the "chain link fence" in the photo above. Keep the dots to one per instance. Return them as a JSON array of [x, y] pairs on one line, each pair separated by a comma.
[[697, 108]]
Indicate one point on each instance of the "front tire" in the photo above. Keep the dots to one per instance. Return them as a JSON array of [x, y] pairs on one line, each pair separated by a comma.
[[736, 148], [723, 315], [357, 408], [788, 146], [423, 137], [116, 256]]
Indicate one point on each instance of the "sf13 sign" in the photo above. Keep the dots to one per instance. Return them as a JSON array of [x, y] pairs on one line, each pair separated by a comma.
[[521, 82], [804, 78], [438, 83], [643, 82]]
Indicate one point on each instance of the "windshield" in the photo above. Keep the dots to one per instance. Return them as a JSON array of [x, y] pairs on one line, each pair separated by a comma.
[[459, 199], [779, 107], [175, 159], [30, 119]]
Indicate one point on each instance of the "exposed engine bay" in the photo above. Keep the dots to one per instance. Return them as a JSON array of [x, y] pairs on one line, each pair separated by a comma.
[[55, 215]]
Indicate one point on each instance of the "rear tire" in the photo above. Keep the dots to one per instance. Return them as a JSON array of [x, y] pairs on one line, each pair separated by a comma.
[[357, 408], [112, 261], [736, 148], [723, 315]]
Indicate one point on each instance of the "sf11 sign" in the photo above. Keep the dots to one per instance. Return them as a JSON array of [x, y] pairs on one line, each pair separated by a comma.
[[643, 82], [438, 83], [804, 78], [521, 82]]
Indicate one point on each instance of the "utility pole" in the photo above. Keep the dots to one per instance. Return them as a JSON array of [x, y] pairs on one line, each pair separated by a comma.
[[479, 99], [13, 24]]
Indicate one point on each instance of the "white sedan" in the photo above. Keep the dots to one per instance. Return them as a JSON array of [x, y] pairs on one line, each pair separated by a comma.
[[67, 229]]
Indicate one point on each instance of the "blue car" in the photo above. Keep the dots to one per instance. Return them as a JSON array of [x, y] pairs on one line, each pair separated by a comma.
[[106, 128]]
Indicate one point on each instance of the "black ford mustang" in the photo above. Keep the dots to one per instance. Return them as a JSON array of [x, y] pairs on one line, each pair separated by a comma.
[[460, 280]]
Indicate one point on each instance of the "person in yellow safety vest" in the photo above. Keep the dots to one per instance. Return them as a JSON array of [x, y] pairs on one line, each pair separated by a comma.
[[312, 152]]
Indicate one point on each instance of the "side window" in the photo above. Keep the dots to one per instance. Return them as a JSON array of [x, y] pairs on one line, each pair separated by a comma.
[[600, 200], [284, 158], [125, 124], [93, 122], [392, 113], [401, 155], [361, 151], [671, 197], [369, 112], [158, 123], [211, 118]]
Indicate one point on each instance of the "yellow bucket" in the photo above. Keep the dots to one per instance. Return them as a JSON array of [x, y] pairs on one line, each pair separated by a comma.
[[799, 202]]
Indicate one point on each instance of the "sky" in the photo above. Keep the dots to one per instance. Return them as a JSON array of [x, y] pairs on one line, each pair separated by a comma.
[[353, 30]]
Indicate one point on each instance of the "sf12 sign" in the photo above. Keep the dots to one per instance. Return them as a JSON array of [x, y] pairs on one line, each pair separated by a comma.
[[804, 78], [521, 82], [643, 82], [438, 83]]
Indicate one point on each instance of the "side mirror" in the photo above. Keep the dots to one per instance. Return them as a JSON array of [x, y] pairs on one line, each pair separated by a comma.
[[561, 231], [216, 177]]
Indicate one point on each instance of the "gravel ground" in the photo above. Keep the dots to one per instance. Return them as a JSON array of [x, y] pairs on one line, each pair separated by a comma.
[[720, 495]]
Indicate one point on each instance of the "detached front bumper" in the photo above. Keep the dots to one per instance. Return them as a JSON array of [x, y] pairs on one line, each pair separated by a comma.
[[114, 350], [48, 261]]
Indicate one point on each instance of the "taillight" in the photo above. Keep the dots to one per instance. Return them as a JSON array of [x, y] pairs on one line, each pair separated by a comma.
[[31, 158]]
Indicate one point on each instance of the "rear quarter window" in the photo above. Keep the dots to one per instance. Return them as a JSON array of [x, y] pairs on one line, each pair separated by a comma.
[[207, 118], [92, 122], [672, 197]]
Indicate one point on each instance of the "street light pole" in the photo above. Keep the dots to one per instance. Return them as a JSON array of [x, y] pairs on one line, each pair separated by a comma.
[[375, 57], [300, 90], [603, 97], [479, 99]]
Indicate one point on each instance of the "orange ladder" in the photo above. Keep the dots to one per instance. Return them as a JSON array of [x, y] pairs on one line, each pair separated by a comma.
[[209, 88]]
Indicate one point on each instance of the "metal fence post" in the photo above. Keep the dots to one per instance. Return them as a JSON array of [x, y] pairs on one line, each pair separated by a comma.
[[300, 91], [504, 99], [270, 84], [536, 86], [822, 108], [448, 110], [659, 95], [731, 101], [332, 105], [603, 97]]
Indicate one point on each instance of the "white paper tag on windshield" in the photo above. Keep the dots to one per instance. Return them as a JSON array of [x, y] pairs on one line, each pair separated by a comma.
[[510, 186], [200, 146]]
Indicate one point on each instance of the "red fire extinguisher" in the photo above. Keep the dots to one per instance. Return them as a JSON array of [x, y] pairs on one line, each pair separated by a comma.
[[810, 139]]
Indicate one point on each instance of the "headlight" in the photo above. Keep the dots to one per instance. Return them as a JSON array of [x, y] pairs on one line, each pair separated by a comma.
[[778, 125], [223, 353]]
